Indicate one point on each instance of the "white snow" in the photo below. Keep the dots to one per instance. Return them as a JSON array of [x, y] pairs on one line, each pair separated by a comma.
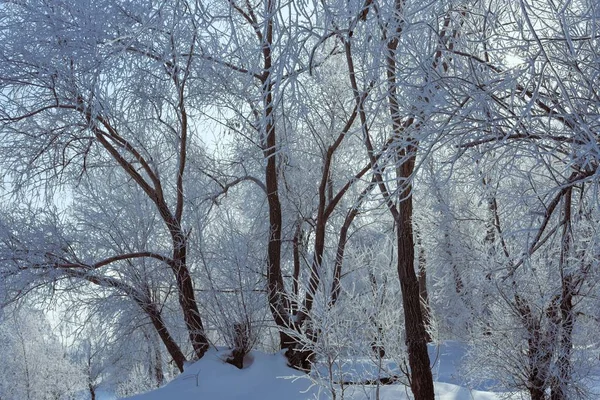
[[267, 377]]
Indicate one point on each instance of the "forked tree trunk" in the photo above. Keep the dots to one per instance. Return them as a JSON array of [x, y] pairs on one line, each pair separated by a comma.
[[107, 135]]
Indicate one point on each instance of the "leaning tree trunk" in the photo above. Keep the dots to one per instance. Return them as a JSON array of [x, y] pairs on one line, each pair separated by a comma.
[[153, 312], [187, 298]]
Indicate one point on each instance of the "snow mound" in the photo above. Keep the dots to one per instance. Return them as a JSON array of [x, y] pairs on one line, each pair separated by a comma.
[[267, 377], [264, 377]]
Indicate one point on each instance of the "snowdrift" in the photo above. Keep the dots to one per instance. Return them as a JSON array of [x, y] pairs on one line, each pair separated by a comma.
[[267, 377]]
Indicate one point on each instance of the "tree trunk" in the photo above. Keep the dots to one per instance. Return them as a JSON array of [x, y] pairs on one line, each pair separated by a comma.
[[159, 375], [342, 239], [562, 377], [187, 298], [170, 344], [278, 302], [416, 335], [92, 390], [421, 379], [241, 344], [539, 346]]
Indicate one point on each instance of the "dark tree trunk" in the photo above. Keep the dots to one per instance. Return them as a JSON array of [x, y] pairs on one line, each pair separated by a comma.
[[540, 346], [342, 239], [159, 375], [241, 344], [421, 379], [336, 286], [187, 298], [563, 363], [536, 393], [92, 390], [153, 188], [562, 377], [416, 335], [172, 347], [278, 303], [296, 250]]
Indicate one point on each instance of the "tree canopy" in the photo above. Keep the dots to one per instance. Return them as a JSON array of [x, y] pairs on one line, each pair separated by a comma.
[[240, 172]]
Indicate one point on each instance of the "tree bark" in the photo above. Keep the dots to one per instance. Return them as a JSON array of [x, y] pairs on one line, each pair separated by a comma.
[[416, 334], [421, 379], [158, 373], [187, 298], [562, 377], [92, 390], [158, 323], [278, 303], [539, 346]]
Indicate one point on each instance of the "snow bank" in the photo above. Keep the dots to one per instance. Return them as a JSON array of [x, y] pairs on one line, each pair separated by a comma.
[[267, 377]]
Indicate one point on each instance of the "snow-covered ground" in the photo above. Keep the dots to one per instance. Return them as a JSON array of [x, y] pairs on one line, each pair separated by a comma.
[[267, 377]]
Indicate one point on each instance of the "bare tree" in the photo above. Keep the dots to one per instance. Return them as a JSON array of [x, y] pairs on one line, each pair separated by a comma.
[[76, 97]]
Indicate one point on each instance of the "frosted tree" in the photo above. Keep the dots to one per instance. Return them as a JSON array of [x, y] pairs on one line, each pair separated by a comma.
[[532, 129], [101, 87], [35, 364], [287, 92]]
